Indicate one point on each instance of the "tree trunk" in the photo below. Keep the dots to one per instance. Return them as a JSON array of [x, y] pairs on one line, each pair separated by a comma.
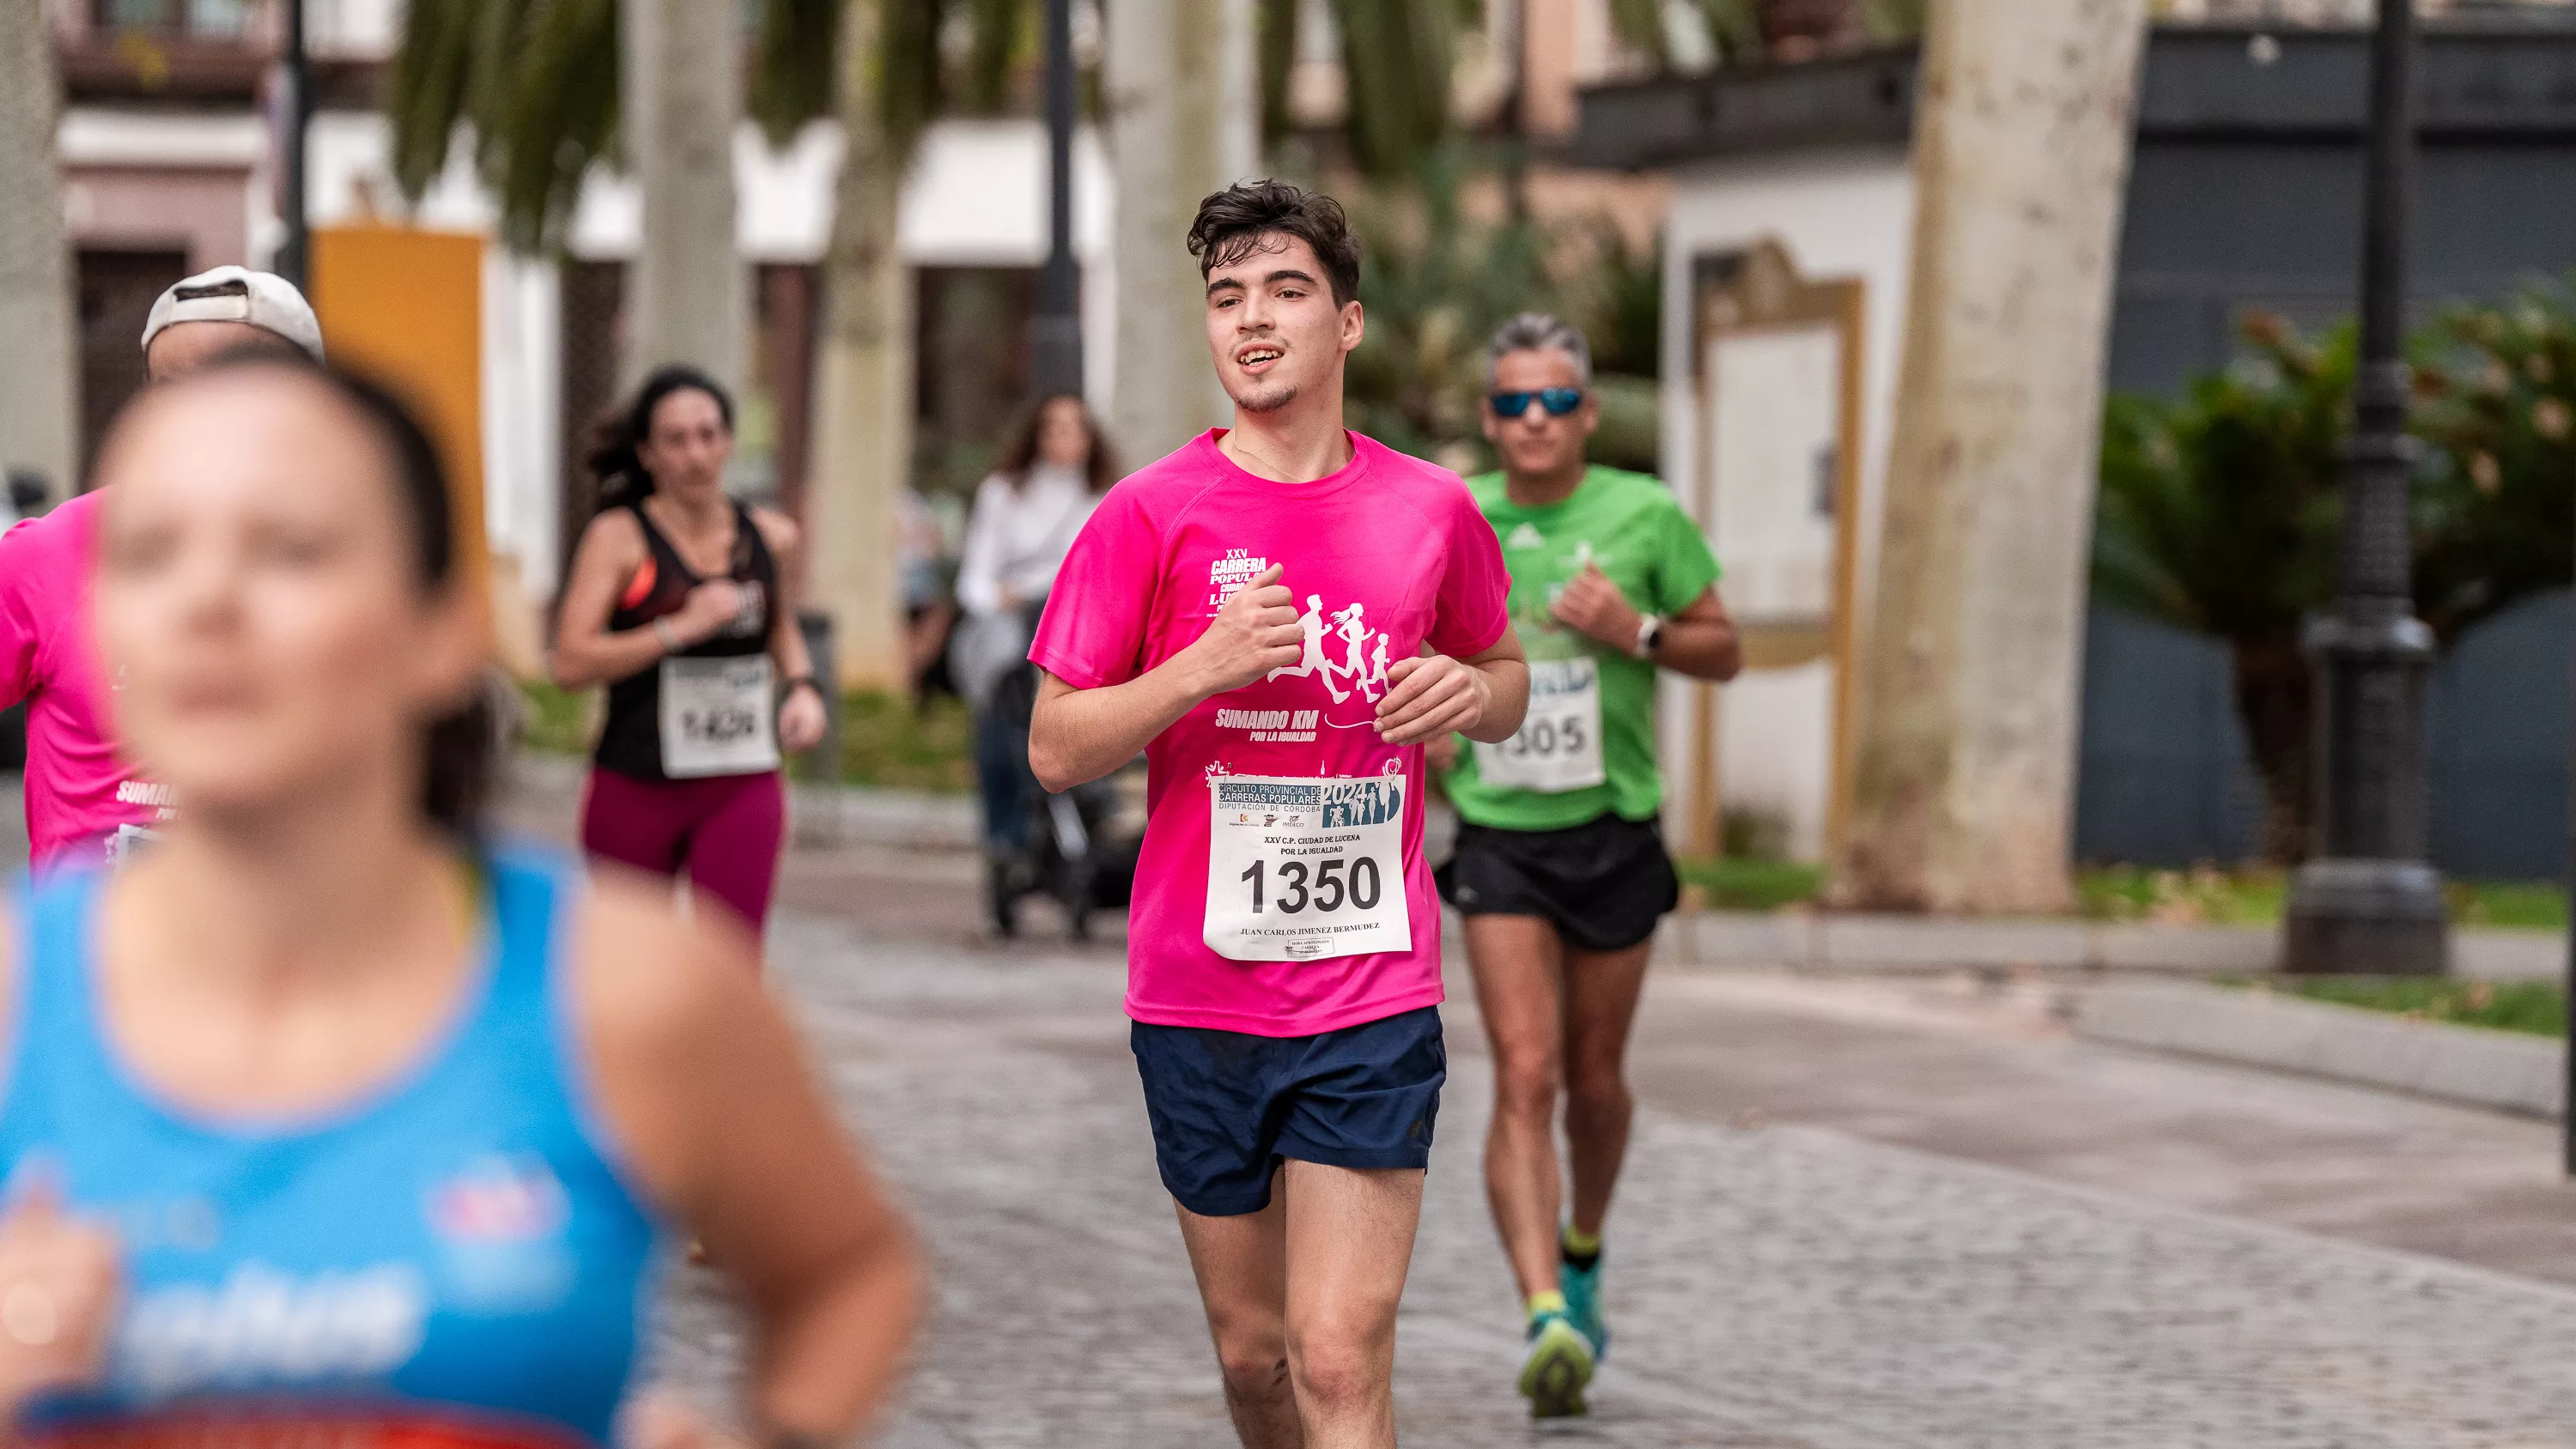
[[1963, 776], [1185, 120], [683, 96], [863, 395], [39, 402], [2275, 684]]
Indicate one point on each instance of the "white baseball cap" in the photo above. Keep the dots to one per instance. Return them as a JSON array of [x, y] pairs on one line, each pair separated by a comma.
[[237, 294]]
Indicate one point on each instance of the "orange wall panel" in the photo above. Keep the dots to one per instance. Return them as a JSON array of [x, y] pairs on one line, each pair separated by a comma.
[[406, 307]]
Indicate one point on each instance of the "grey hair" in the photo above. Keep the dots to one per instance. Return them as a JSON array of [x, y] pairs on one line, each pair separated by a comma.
[[1539, 332]]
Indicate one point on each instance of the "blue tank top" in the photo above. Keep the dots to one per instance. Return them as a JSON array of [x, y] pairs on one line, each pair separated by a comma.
[[449, 1263]]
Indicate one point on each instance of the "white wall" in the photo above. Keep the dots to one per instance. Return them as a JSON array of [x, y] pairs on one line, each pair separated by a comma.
[[975, 197], [1840, 215]]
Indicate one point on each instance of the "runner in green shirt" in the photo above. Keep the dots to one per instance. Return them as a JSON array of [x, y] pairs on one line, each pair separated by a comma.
[[1560, 869]]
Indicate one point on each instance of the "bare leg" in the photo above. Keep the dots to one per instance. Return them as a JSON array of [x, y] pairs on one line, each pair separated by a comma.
[[1350, 1243], [1519, 981], [1601, 991], [1242, 1268]]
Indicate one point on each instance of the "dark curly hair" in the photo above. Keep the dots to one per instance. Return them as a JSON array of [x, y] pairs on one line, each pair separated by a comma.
[[615, 437], [1235, 223]]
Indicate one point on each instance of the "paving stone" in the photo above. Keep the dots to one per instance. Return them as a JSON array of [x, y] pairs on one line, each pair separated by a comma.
[[1771, 1289]]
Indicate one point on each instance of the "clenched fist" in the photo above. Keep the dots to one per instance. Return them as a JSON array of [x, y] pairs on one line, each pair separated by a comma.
[[58, 1289], [710, 609], [1432, 695], [1254, 633], [1592, 606]]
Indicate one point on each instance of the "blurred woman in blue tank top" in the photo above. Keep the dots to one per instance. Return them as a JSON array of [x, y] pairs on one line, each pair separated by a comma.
[[325, 1121]]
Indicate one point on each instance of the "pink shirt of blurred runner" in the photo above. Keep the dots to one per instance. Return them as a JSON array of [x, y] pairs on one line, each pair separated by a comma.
[[79, 795]]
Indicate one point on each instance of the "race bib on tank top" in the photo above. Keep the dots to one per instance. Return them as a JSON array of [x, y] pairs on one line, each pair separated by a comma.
[[716, 717]]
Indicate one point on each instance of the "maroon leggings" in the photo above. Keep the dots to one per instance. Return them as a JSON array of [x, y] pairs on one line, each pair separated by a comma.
[[724, 831]]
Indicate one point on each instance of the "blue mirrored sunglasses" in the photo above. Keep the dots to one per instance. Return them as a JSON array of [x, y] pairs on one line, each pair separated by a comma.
[[1557, 400]]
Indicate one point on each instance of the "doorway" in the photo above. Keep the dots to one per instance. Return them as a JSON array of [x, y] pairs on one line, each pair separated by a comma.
[[117, 289]]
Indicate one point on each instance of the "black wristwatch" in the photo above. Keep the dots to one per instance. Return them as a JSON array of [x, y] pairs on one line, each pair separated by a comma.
[[806, 681], [1650, 636]]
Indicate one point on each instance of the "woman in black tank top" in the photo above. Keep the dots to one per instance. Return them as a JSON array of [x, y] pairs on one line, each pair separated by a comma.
[[675, 603]]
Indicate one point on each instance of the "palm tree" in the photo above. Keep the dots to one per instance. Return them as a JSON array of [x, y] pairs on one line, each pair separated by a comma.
[[547, 88], [2217, 515], [538, 82], [39, 403]]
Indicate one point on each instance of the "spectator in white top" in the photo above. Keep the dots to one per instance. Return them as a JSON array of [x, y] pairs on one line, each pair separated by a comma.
[[1026, 516]]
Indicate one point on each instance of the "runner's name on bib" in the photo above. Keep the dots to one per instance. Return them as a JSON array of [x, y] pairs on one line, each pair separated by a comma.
[[1558, 746], [1304, 867], [716, 717]]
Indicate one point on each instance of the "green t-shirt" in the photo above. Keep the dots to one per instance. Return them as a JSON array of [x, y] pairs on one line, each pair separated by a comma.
[[1630, 525]]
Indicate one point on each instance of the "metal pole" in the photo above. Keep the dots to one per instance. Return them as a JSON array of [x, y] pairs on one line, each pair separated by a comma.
[[1056, 365], [2367, 902], [294, 256]]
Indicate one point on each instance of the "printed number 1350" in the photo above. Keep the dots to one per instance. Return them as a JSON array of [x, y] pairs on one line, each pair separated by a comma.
[[1327, 890]]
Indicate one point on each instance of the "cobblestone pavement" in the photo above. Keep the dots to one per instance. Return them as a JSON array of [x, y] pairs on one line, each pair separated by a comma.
[[1771, 1287]]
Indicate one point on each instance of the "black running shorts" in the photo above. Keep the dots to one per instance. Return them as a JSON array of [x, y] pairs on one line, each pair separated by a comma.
[[1603, 884]]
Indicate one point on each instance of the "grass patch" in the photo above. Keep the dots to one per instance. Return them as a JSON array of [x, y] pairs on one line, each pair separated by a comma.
[[2255, 896], [1735, 883], [2203, 896], [559, 720], [884, 740], [2538, 1008]]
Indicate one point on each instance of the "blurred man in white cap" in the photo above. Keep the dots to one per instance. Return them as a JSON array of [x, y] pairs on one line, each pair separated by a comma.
[[216, 312], [83, 804]]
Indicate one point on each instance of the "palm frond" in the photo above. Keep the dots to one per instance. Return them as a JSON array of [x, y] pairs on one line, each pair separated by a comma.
[[426, 93], [1278, 20], [911, 84], [791, 82], [1003, 34], [557, 116], [1397, 55], [1640, 25]]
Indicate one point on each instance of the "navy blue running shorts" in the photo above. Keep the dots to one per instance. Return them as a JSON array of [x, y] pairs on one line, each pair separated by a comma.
[[1228, 1106]]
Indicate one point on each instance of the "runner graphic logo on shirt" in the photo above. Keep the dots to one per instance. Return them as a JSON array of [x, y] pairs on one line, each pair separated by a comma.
[[1362, 666]]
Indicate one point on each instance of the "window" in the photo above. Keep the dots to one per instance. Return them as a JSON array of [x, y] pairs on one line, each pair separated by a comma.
[[227, 19]]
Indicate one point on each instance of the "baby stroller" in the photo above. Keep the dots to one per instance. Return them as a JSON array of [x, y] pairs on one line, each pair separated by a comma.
[[1082, 842]]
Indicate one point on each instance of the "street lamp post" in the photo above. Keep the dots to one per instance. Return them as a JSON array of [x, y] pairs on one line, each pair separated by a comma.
[[1056, 363], [2368, 903], [294, 119]]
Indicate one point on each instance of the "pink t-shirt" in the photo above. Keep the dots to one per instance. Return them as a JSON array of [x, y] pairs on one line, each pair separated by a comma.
[[1322, 913], [79, 795]]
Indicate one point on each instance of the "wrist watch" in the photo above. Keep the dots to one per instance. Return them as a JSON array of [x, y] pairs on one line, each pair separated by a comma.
[[1650, 636]]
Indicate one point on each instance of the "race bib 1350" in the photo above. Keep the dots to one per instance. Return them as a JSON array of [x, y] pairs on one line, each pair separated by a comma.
[[1302, 868]]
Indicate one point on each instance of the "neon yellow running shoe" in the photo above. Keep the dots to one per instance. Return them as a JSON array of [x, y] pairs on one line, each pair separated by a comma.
[[1558, 1367]]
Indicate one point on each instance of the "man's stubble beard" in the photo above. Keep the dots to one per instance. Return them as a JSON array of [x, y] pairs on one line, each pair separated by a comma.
[[1256, 400]]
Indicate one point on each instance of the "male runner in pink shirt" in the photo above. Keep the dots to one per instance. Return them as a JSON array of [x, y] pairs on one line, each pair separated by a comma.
[[83, 803], [1284, 945]]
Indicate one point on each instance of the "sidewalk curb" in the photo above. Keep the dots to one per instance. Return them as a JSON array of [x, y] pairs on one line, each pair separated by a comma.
[[2505, 1071], [1859, 941]]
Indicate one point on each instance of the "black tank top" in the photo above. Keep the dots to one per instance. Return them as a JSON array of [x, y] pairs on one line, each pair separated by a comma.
[[631, 741]]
